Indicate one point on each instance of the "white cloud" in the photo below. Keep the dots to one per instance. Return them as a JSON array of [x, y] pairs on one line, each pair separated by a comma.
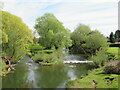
[[100, 14], [103, 16]]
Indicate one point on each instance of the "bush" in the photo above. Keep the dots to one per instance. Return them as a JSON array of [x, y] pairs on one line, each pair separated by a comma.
[[3, 66], [35, 47], [44, 57], [100, 57], [58, 53], [48, 57]]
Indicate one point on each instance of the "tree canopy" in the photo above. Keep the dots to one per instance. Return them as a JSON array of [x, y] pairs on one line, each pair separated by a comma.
[[112, 38], [87, 41], [117, 34], [16, 36], [52, 32]]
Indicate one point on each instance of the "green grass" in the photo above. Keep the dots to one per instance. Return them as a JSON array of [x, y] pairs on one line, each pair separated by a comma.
[[35, 47], [3, 71], [45, 58], [114, 50], [98, 76]]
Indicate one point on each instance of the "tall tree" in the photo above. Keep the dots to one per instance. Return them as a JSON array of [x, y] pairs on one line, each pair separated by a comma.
[[112, 39], [52, 32], [79, 37], [80, 34], [18, 34], [87, 41], [117, 34], [95, 41]]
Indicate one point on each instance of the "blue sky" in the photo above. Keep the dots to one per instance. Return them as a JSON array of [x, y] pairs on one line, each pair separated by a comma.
[[98, 14]]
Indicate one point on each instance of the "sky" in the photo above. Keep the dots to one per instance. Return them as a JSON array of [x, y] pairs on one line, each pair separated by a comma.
[[97, 14]]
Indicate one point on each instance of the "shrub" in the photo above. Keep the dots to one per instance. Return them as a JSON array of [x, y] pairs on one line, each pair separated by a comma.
[[58, 53], [100, 57], [35, 47], [44, 57]]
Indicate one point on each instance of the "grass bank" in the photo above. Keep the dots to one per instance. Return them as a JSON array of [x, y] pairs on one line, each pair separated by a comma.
[[98, 76], [115, 51], [46, 57]]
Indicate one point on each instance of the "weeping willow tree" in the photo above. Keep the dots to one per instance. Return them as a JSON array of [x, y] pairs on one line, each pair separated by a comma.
[[15, 36]]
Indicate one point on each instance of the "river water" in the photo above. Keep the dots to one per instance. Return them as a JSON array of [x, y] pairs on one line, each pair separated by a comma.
[[31, 75]]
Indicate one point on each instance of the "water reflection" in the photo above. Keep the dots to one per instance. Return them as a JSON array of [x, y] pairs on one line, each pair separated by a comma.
[[82, 69], [30, 75], [51, 76], [17, 79]]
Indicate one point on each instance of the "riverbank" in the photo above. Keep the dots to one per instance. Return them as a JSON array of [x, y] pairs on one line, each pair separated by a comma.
[[28, 74], [51, 63], [6, 69], [97, 78], [114, 51]]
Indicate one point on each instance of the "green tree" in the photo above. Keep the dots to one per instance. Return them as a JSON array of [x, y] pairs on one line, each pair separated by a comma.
[[112, 39], [95, 41], [117, 34], [86, 41], [80, 34], [79, 37], [3, 37], [100, 58], [52, 32], [35, 40], [18, 34]]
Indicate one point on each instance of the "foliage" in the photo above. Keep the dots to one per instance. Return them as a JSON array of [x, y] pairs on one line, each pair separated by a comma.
[[35, 47], [111, 56], [3, 70], [117, 34], [115, 37], [3, 37], [43, 57], [113, 51], [58, 53], [112, 39], [80, 34], [95, 41], [18, 35], [100, 57], [35, 40], [3, 66], [86, 41], [52, 32], [96, 75], [48, 56]]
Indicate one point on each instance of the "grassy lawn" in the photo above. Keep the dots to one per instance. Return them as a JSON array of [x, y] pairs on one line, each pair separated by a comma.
[[98, 76], [114, 50]]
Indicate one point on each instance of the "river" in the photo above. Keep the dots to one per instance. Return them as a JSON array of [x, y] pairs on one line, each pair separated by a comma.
[[31, 75]]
